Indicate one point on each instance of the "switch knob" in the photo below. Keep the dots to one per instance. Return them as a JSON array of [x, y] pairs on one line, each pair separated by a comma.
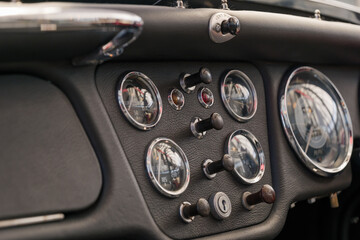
[[188, 211], [199, 127], [210, 168], [188, 82], [266, 194], [232, 26]]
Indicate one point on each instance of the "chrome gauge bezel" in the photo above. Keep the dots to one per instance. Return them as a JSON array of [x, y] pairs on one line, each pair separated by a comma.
[[259, 149], [135, 123], [226, 104], [156, 184], [309, 163]]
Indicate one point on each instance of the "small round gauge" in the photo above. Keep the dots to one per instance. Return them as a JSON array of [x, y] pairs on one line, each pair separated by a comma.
[[316, 121], [139, 100], [239, 95], [168, 167], [248, 156]]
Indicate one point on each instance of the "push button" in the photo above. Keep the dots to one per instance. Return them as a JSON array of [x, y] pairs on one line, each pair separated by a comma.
[[220, 205]]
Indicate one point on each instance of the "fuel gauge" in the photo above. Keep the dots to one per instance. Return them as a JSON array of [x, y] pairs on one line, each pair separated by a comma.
[[168, 167]]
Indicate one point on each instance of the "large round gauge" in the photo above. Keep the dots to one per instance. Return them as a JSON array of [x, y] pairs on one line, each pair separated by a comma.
[[248, 156], [168, 167], [139, 100], [239, 95], [316, 121]]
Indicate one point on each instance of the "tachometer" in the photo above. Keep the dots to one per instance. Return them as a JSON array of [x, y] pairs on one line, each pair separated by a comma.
[[168, 167], [139, 100], [316, 121]]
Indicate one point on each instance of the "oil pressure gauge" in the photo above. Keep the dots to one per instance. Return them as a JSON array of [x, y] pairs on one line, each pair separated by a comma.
[[139, 100], [248, 156], [316, 121], [167, 167]]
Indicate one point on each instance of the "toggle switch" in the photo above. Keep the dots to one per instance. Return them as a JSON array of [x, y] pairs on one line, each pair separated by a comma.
[[188, 211], [210, 167], [266, 195], [199, 127], [232, 26], [188, 82]]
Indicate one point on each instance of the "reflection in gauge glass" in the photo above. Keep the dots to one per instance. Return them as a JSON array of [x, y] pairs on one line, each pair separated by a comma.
[[168, 167], [139, 100], [239, 95], [248, 156], [316, 121]]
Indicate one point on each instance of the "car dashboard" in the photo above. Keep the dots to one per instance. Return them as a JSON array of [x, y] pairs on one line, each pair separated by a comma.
[[181, 121]]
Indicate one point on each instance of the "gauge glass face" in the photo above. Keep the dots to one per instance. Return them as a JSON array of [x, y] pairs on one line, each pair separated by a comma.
[[319, 126], [168, 167], [248, 156], [239, 95], [139, 100]]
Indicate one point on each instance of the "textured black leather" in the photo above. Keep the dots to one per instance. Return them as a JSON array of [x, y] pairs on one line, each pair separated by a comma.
[[46, 155], [175, 125], [183, 34]]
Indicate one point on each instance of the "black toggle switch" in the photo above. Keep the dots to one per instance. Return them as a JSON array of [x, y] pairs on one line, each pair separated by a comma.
[[188, 211], [232, 26], [215, 121], [266, 195], [199, 127], [188, 82], [210, 168]]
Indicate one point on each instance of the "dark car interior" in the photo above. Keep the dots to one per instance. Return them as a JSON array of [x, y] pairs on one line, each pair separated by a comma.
[[170, 119]]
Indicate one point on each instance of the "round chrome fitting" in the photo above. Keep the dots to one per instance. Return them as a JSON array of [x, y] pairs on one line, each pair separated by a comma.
[[193, 122], [181, 209], [204, 167]]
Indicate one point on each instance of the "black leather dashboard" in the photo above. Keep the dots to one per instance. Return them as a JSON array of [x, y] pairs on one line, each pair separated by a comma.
[[121, 201]]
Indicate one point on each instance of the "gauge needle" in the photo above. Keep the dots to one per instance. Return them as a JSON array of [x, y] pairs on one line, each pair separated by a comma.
[[309, 138], [131, 95], [159, 165]]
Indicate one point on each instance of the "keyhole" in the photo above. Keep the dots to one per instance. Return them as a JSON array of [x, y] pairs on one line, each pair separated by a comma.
[[224, 205]]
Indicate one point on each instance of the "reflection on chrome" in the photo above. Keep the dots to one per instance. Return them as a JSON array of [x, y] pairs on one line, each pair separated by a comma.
[[67, 17]]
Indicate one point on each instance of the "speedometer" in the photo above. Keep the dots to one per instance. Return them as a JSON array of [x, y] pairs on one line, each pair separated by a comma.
[[316, 121]]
